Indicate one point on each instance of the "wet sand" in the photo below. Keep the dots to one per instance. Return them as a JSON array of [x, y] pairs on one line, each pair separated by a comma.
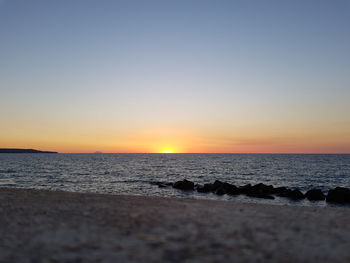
[[45, 226]]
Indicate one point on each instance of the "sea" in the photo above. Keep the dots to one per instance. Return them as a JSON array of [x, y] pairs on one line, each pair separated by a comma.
[[136, 174]]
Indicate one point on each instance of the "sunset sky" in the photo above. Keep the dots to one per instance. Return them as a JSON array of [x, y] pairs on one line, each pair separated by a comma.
[[175, 76]]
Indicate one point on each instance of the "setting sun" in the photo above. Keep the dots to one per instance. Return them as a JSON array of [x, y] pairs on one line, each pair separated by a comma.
[[167, 150]]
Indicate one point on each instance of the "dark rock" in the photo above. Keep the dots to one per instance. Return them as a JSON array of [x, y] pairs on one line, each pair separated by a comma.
[[284, 192], [292, 194], [216, 185], [296, 194], [259, 195], [220, 191], [184, 185], [279, 190], [206, 188], [315, 194], [267, 197], [231, 189], [259, 190], [245, 188], [339, 195], [262, 189]]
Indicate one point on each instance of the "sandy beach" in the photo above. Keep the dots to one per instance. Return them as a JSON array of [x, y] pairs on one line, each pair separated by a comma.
[[44, 226]]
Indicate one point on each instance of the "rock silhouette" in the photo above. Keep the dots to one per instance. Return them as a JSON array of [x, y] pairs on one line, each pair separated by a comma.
[[220, 191], [260, 191], [184, 185], [339, 195], [206, 188], [292, 194], [279, 190], [315, 195], [216, 185], [245, 188], [231, 189]]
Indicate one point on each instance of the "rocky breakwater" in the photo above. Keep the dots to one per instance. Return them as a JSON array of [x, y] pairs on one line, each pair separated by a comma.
[[338, 195]]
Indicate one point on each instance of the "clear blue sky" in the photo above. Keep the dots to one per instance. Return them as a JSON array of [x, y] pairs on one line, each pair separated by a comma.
[[225, 75]]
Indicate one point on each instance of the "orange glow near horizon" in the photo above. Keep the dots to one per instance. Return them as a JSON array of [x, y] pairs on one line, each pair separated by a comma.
[[191, 144], [281, 148], [176, 140]]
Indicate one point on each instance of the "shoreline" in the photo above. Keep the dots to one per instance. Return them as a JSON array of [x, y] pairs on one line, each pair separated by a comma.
[[58, 226], [241, 199]]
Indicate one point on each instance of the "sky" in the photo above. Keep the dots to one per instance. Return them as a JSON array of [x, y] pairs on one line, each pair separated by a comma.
[[188, 76]]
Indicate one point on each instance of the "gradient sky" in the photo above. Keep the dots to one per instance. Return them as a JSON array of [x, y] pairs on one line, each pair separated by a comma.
[[181, 76]]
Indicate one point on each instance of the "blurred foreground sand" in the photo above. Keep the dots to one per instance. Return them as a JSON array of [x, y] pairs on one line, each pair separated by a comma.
[[44, 226]]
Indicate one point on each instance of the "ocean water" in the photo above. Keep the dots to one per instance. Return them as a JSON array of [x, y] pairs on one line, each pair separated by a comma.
[[134, 173]]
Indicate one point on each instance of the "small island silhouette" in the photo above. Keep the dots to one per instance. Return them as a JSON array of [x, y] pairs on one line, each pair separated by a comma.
[[14, 150]]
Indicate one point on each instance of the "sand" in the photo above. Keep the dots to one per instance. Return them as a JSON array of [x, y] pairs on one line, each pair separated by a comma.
[[44, 226]]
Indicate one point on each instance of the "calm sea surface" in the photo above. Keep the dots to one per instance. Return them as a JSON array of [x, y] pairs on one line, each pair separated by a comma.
[[134, 173]]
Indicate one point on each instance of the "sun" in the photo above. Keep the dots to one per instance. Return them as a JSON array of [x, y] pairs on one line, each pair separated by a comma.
[[167, 150]]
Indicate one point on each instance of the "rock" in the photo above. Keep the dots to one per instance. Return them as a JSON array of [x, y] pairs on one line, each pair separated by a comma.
[[257, 195], [220, 191], [279, 190], [284, 193], [339, 195], [184, 185], [261, 189], [292, 194], [296, 194], [216, 185], [206, 188], [231, 189], [245, 188], [314, 195], [267, 197], [219, 188]]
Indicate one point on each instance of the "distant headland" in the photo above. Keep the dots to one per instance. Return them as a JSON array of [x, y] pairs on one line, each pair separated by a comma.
[[13, 150]]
